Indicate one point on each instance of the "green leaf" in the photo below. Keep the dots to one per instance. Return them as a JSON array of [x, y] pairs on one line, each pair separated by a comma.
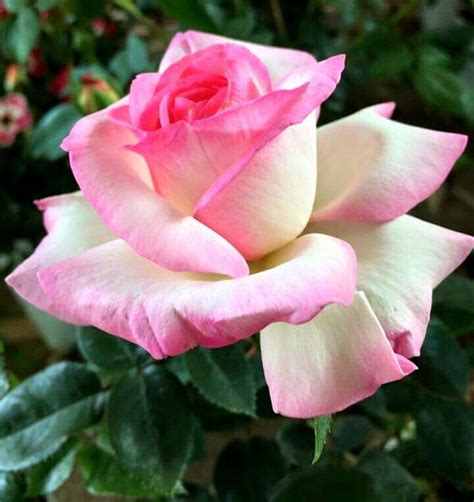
[[404, 396], [351, 431], [445, 430], [189, 14], [137, 52], [15, 5], [150, 426], [133, 59], [322, 427], [49, 475], [392, 482], [43, 5], [24, 34], [104, 475], [248, 470], [4, 380], [296, 440], [375, 405], [53, 127], [88, 9], [177, 366], [444, 366], [453, 303], [215, 418], [327, 482], [37, 416], [257, 370], [392, 62], [194, 493], [12, 487], [409, 455], [224, 377], [441, 87], [105, 351], [120, 66], [198, 451], [438, 86]]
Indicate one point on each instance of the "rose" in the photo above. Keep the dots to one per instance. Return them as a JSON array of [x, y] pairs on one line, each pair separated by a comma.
[[208, 170], [15, 117]]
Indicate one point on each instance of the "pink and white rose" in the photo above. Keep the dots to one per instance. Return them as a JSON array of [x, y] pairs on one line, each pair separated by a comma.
[[206, 214]]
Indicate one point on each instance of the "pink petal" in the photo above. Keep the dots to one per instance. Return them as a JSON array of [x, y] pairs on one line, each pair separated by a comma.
[[337, 359], [279, 62], [168, 313], [191, 163], [291, 285], [117, 184], [399, 264], [142, 91], [73, 227], [374, 169], [228, 65]]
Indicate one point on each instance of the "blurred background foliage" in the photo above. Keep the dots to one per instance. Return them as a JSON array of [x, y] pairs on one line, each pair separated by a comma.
[[414, 440]]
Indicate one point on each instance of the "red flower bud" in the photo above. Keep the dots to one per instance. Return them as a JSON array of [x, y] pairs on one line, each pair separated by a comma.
[[13, 75], [35, 65], [60, 82]]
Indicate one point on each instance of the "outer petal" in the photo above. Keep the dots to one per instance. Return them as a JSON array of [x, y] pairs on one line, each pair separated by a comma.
[[340, 357], [117, 184], [168, 313], [73, 226], [371, 168], [279, 62], [399, 264]]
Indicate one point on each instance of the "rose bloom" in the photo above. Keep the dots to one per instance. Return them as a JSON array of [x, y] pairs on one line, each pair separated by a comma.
[[15, 117], [206, 214]]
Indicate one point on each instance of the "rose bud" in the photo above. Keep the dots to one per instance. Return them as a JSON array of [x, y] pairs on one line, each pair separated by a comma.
[[15, 117], [3, 11], [95, 94], [101, 26], [35, 65], [60, 82], [13, 76]]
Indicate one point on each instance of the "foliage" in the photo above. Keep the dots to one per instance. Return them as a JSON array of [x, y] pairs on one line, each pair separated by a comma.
[[141, 428], [135, 429]]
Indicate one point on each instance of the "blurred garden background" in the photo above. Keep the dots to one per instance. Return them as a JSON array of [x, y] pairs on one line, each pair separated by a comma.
[[414, 440]]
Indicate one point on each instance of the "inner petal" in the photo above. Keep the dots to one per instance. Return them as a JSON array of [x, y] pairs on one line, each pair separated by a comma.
[[225, 74]]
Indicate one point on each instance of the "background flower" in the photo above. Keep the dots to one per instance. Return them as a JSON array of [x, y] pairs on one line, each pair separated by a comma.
[[15, 117]]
